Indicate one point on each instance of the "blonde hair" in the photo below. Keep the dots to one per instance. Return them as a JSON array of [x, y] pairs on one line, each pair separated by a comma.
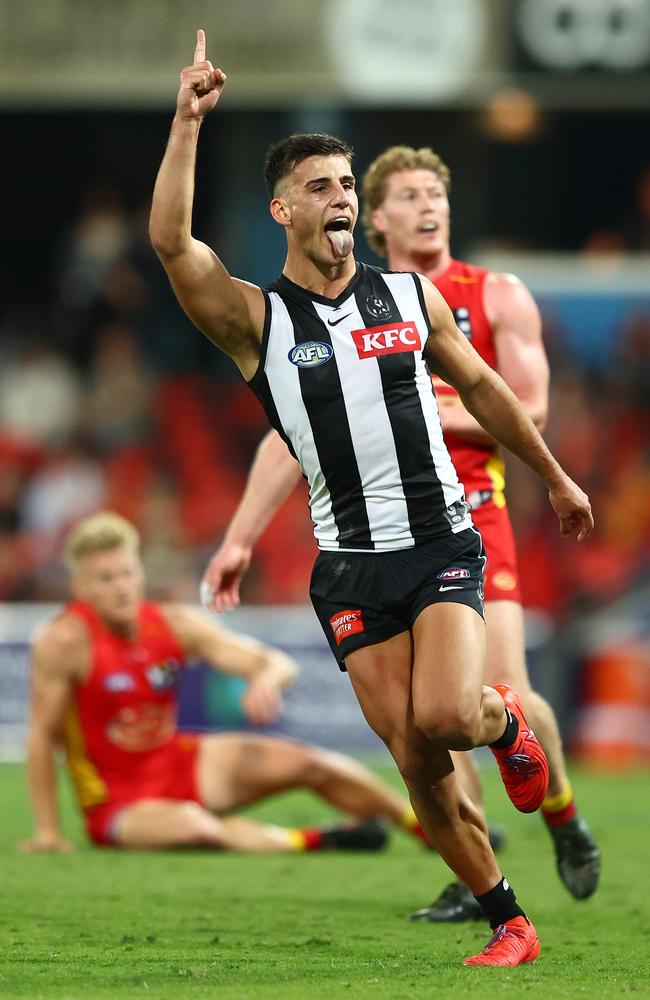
[[375, 179], [100, 533]]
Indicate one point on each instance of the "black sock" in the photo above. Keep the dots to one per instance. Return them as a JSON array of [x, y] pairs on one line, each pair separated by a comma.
[[510, 733], [500, 904]]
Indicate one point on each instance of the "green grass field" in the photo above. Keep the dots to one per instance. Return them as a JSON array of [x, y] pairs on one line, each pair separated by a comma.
[[196, 925]]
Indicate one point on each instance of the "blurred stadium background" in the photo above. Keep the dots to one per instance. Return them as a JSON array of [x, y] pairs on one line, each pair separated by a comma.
[[110, 398]]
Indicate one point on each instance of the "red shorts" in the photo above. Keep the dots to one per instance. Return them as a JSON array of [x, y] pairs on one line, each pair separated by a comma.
[[501, 573], [177, 780]]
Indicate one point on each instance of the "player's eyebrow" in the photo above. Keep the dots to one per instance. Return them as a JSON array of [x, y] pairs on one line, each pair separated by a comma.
[[326, 180]]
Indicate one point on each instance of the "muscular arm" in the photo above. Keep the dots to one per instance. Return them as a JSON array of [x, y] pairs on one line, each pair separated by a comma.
[[267, 671], [228, 311], [487, 397], [273, 475], [520, 357], [57, 662]]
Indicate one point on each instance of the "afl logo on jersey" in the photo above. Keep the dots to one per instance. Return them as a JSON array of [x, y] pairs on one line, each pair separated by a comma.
[[119, 682], [310, 354]]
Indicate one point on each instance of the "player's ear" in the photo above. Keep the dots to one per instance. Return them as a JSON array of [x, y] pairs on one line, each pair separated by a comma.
[[378, 220], [280, 212]]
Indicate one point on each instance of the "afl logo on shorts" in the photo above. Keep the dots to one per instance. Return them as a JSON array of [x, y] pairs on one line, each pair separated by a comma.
[[454, 574], [310, 354]]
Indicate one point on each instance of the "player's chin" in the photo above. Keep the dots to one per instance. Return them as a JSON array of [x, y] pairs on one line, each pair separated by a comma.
[[429, 243], [123, 614]]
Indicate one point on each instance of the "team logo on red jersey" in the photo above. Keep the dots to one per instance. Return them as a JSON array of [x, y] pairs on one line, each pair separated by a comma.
[[346, 623], [163, 676], [140, 728], [391, 338]]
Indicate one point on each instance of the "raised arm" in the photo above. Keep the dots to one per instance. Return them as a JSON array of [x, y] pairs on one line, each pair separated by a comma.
[[268, 671], [230, 312], [487, 397], [272, 477], [520, 357], [55, 664]]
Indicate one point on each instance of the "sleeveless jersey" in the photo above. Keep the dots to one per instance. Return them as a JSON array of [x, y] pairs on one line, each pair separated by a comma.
[[344, 383], [121, 727], [480, 467]]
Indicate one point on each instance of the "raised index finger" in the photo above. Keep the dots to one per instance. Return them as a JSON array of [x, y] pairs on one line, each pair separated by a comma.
[[199, 51]]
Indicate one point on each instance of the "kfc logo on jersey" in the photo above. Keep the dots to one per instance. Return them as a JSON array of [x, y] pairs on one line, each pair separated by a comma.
[[454, 574], [310, 354], [346, 623], [391, 338]]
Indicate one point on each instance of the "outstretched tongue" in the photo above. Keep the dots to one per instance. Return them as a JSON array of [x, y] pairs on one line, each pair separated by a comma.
[[342, 242]]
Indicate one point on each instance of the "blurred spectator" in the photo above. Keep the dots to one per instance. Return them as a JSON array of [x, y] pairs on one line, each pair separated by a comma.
[[39, 395], [69, 485], [167, 556], [118, 404], [97, 241]]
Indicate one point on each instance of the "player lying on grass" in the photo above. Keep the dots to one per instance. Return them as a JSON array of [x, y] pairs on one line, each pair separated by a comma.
[[104, 682]]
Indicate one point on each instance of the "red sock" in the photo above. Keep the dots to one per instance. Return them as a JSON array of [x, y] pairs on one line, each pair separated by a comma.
[[411, 824], [418, 832], [557, 809], [312, 838]]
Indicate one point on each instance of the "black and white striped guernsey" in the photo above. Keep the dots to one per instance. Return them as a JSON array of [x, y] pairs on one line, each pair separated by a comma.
[[345, 384]]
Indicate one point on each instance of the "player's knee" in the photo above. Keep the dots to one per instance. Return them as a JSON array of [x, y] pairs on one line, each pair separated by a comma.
[[197, 828], [316, 767], [413, 763], [454, 727]]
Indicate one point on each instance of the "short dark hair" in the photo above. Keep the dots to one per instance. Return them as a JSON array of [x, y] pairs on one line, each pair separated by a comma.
[[283, 156]]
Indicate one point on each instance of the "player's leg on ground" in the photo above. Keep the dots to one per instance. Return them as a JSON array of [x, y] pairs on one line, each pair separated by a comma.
[[235, 770], [506, 664], [154, 824], [381, 675]]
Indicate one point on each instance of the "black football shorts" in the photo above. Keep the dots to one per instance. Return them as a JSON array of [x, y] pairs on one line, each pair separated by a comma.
[[365, 597]]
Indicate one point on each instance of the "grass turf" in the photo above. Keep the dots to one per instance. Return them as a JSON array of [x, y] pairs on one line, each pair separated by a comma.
[[169, 926]]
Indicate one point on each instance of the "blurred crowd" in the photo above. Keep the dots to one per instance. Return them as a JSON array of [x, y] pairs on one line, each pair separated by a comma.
[[110, 399]]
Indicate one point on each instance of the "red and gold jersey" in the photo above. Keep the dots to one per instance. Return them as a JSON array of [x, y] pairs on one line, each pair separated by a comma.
[[120, 730], [479, 466]]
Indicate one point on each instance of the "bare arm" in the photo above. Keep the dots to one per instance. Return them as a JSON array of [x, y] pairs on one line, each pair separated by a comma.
[[56, 662], [486, 396], [267, 671], [272, 477], [520, 357], [228, 311]]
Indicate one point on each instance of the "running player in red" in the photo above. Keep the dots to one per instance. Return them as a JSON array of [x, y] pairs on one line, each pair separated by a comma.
[[406, 213], [104, 682], [337, 352]]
